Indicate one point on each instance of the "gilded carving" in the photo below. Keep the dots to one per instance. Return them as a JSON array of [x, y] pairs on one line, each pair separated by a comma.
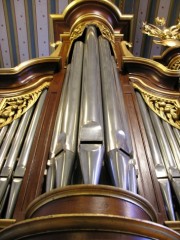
[[13, 107], [168, 36], [174, 63], [167, 109], [105, 31], [78, 31]]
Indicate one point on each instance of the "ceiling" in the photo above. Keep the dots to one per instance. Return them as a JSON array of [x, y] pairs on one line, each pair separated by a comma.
[[24, 26]]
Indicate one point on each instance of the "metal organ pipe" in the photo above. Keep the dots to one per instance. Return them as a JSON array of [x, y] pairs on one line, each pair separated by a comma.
[[131, 169], [58, 138], [7, 141], [91, 134], [164, 146], [16, 144], [152, 139], [177, 134], [118, 142], [65, 160], [3, 133], [23, 158], [164, 149], [4, 151], [85, 100], [166, 192], [17, 156], [13, 152], [66, 127], [173, 142], [57, 142]]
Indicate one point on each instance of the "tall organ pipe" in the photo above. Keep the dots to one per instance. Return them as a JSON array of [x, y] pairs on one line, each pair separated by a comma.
[[65, 160], [177, 134], [122, 111], [156, 145], [152, 139], [4, 151], [172, 141], [67, 134], [7, 141], [176, 187], [3, 202], [23, 158], [16, 144], [24, 155], [132, 181], [3, 133], [13, 152], [166, 192], [116, 135], [164, 146], [58, 138], [91, 137]]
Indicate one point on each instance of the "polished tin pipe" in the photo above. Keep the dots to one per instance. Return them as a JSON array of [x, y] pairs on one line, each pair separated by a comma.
[[116, 137], [7, 141], [152, 139], [50, 175], [115, 134], [16, 144], [3, 201], [177, 134], [24, 154], [15, 188], [72, 100], [3, 133], [164, 146], [64, 140], [172, 142], [91, 137], [176, 186], [58, 138], [158, 141], [70, 118], [64, 163], [118, 166], [4, 181], [132, 179], [122, 110], [166, 192], [23, 158]]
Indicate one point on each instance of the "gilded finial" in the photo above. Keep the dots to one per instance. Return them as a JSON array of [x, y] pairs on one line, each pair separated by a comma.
[[167, 36]]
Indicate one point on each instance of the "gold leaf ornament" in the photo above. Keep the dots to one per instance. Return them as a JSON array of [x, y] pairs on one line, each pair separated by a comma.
[[14, 107], [167, 109]]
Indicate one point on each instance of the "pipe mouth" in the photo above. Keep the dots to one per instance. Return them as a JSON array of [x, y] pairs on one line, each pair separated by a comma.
[[93, 130], [89, 198]]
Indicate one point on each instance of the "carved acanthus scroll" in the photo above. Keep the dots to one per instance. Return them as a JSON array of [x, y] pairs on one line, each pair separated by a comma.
[[166, 108], [14, 107], [105, 31]]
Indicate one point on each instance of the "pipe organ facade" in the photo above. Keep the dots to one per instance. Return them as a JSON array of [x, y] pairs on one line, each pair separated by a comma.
[[90, 136]]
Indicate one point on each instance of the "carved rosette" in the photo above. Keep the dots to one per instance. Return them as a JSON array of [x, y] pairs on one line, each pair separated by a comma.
[[14, 107], [166, 108]]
